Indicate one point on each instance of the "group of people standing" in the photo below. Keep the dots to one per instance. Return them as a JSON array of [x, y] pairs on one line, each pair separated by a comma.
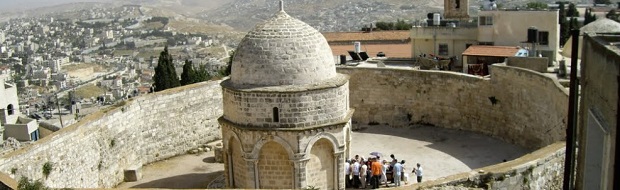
[[361, 173]]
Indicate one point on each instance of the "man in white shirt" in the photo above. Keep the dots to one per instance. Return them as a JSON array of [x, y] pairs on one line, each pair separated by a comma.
[[418, 172], [398, 169], [347, 174], [355, 169]]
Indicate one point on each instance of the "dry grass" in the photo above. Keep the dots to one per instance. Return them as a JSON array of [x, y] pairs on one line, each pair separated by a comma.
[[88, 91], [197, 27], [96, 67]]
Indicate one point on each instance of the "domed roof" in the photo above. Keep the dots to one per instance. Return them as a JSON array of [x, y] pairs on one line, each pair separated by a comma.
[[282, 51], [602, 25]]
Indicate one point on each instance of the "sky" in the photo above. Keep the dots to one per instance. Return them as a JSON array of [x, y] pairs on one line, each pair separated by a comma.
[[8, 5]]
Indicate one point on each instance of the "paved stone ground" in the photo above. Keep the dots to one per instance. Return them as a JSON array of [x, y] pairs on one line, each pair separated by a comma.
[[441, 152]]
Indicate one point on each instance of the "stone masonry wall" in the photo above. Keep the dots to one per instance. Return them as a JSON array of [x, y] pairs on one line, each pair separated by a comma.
[[516, 105], [320, 167], [296, 109], [541, 169], [534, 63], [94, 152]]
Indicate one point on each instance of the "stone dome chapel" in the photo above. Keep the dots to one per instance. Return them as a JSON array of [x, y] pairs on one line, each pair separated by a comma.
[[286, 121]]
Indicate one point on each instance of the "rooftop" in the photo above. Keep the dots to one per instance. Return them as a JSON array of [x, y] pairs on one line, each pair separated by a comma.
[[367, 36], [492, 51]]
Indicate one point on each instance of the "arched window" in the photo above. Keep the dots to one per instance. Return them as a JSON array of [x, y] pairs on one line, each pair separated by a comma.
[[276, 114], [9, 109]]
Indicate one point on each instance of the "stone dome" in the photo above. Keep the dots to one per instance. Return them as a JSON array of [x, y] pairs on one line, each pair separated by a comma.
[[282, 51], [602, 25]]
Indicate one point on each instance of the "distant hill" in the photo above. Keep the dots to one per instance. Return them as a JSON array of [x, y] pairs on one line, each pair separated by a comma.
[[22, 5], [337, 15]]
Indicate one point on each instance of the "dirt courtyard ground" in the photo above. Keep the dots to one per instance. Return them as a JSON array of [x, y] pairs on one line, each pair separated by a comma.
[[441, 152]]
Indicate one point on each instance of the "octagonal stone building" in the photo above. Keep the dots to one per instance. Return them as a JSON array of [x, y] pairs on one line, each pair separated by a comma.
[[287, 121]]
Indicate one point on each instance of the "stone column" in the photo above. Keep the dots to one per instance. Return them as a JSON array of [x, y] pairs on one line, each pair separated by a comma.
[[338, 172], [299, 175], [253, 169]]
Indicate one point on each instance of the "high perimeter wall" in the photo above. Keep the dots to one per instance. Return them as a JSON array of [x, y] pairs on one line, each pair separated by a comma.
[[94, 152], [516, 105]]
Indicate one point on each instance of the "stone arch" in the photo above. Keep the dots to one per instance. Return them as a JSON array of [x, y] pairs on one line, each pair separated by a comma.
[[271, 138], [275, 169], [227, 138], [237, 166], [321, 169], [328, 136]]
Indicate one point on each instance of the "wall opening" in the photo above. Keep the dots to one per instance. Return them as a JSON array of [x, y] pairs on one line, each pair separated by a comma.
[[597, 141], [10, 109], [458, 4], [276, 114]]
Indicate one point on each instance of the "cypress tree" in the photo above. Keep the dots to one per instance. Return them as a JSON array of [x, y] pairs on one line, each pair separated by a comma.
[[202, 74], [165, 75], [189, 75], [588, 17], [564, 27], [572, 10]]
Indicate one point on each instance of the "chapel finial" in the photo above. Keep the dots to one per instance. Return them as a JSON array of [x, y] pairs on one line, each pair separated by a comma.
[[281, 5]]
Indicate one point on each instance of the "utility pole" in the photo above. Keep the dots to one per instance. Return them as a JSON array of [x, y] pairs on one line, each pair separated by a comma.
[[59, 114]]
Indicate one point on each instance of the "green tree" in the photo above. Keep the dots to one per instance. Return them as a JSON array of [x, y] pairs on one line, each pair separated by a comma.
[[536, 5], [613, 15], [27, 184], [189, 75], [228, 69], [573, 24], [606, 2], [165, 75], [588, 17], [572, 10], [564, 27], [202, 74]]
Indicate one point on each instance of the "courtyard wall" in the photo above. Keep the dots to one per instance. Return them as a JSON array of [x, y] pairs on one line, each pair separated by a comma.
[[94, 152], [516, 105]]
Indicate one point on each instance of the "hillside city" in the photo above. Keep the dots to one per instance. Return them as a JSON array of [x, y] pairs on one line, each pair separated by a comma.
[[107, 75], [96, 58]]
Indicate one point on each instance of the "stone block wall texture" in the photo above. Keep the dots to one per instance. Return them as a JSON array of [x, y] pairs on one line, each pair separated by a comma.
[[94, 152], [296, 109], [538, 64], [600, 68], [282, 51], [541, 169], [241, 173], [516, 105], [275, 170], [320, 167]]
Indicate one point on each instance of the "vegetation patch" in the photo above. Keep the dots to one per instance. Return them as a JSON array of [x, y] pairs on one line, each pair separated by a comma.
[[89, 90], [47, 168]]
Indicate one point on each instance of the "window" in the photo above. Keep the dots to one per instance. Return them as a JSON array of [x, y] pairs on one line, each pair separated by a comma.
[[276, 114], [34, 136], [543, 38], [458, 4], [485, 20], [485, 43], [443, 49], [10, 110]]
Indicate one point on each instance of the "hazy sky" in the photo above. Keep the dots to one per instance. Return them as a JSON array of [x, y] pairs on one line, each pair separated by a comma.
[[7, 5]]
